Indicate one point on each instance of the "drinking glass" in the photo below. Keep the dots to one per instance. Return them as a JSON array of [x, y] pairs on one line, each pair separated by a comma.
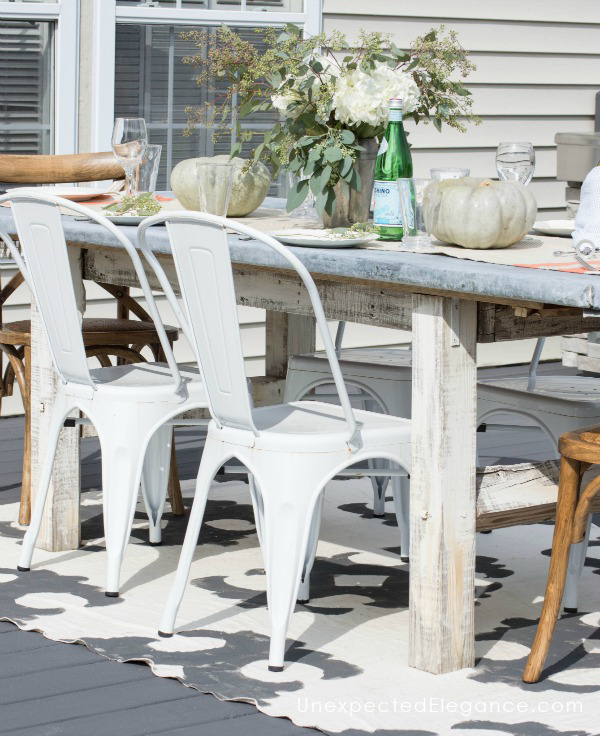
[[308, 209], [448, 173], [129, 141], [214, 181], [412, 200], [515, 161], [146, 172]]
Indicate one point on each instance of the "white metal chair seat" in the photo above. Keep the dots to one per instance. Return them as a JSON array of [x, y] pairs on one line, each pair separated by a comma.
[[146, 382], [318, 427], [571, 396], [359, 362], [130, 406], [291, 451]]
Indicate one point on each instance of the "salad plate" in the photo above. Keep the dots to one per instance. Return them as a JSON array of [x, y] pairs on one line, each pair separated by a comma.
[[125, 219], [324, 238], [564, 228], [75, 194]]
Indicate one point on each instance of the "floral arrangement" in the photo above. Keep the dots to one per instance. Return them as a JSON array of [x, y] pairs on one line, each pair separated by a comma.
[[329, 94]]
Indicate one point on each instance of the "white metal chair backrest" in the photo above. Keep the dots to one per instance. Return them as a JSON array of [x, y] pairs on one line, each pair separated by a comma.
[[46, 268], [202, 259]]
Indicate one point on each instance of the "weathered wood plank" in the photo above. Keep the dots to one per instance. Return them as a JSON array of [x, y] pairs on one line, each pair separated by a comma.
[[287, 335], [367, 302], [519, 494], [442, 514], [60, 528], [569, 359], [539, 323], [279, 291], [575, 344], [586, 363]]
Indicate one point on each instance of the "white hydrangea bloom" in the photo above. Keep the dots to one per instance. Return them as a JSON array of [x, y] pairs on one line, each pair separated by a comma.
[[283, 102], [363, 97]]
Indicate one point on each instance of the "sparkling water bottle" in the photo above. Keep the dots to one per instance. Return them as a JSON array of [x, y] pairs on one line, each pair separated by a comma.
[[393, 162]]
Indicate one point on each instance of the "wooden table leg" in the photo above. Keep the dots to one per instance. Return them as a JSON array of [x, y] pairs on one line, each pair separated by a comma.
[[60, 528], [442, 523], [287, 335]]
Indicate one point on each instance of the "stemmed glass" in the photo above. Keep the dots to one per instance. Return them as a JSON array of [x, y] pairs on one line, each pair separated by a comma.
[[129, 142], [515, 161]]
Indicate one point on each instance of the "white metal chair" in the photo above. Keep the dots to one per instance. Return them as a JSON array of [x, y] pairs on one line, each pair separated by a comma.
[[129, 405], [383, 380], [556, 404], [291, 450]]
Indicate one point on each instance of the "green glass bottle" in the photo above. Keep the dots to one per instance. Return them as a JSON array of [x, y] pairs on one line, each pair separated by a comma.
[[393, 162]]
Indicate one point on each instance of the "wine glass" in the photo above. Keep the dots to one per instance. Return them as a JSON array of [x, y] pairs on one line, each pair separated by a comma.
[[129, 142], [515, 161]]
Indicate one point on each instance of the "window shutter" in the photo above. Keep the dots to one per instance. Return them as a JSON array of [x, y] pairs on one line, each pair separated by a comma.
[[26, 90]]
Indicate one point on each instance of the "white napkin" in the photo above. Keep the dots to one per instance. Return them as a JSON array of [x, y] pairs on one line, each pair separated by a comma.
[[587, 220]]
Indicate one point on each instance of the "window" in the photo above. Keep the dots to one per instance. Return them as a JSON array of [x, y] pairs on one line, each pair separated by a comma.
[[38, 76], [148, 77]]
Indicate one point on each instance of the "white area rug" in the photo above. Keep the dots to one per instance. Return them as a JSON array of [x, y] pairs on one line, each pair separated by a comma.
[[347, 654]]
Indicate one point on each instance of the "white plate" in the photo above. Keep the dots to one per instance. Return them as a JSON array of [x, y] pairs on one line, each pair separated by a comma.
[[116, 219], [75, 194], [320, 238], [126, 219], [555, 227]]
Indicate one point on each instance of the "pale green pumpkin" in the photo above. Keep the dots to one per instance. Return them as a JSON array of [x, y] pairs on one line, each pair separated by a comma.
[[248, 190], [478, 213]]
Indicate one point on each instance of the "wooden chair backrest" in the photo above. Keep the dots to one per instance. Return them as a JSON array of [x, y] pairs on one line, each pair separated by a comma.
[[60, 169]]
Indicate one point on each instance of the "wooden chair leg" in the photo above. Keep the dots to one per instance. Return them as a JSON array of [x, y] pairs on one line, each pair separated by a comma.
[[175, 497], [568, 490], [25, 506]]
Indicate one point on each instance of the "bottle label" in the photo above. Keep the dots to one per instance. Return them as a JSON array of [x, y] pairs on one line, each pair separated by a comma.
[[387, 204], [395, 115]]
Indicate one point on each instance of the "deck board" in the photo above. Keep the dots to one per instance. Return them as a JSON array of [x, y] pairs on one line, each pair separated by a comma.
[[64, 689]]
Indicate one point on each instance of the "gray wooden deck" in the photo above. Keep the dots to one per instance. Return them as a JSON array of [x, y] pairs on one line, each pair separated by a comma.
[[53, 689]]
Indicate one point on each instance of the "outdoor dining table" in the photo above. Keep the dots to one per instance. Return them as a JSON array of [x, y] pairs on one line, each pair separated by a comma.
[[449, 304]]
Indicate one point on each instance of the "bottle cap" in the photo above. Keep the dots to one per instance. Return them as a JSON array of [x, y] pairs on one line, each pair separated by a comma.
[[396, 102]]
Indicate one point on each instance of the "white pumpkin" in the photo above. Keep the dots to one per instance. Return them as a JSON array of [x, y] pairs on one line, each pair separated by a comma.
[[248, 190], [478, 213]]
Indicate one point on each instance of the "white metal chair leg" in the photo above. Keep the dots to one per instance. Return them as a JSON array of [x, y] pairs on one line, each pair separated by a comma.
[[311, 550], [210, 463], [124, 448], [401, 493], [379, 482], [155, 478], [33, 530], [289, 511], [574, 570], [259, 511]]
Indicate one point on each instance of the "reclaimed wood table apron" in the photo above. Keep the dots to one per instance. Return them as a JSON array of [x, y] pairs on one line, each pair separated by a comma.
[[450, 305]]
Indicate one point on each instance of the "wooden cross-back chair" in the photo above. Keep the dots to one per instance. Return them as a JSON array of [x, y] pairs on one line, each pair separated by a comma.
[[119, 338]]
